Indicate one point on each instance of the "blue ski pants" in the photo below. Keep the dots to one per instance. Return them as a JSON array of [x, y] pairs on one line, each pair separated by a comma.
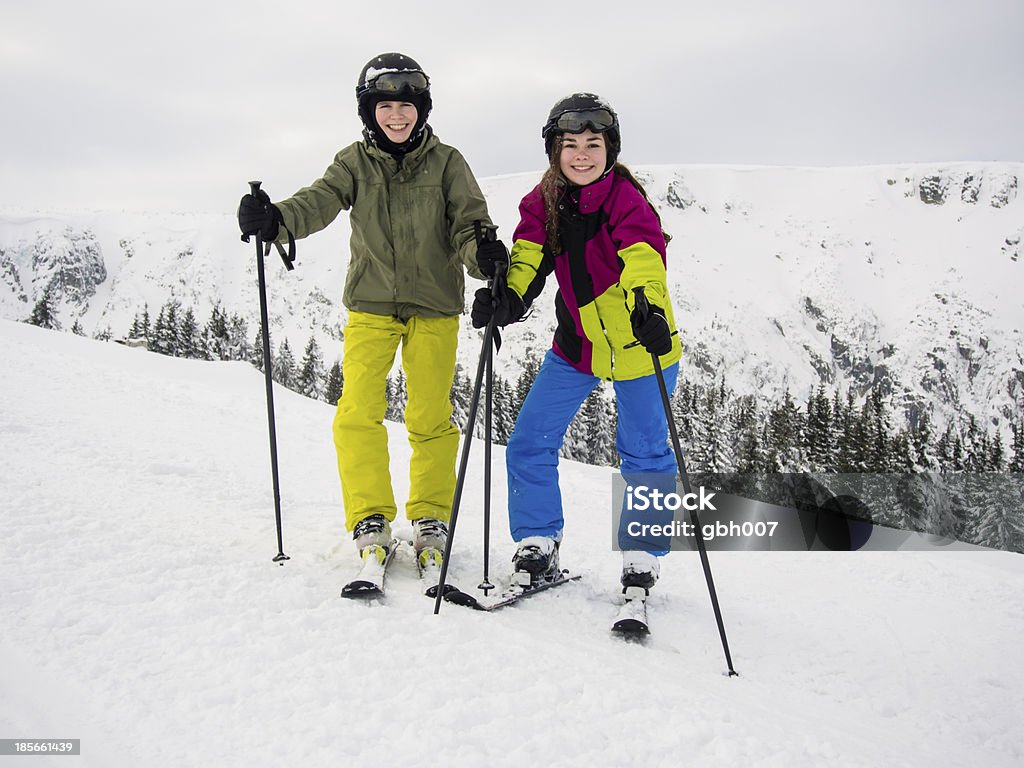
[[641, 439]]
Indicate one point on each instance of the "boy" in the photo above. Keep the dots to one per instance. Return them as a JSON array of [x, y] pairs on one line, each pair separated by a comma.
[[413, 202]]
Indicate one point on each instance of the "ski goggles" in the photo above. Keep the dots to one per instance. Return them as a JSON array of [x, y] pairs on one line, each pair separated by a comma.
[[394, 83], [597, 120]]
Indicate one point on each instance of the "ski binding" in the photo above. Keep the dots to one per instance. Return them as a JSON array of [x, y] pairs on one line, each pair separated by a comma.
[[520, 586]]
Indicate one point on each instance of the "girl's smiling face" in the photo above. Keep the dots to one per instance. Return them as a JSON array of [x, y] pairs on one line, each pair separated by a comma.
[[583, 157], [396, 119]]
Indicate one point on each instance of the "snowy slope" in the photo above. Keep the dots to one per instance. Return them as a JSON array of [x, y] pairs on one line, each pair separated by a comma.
[[143, 615]]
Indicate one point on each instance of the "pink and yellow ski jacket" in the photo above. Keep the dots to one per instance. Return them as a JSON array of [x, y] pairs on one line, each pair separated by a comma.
[[612, 243]]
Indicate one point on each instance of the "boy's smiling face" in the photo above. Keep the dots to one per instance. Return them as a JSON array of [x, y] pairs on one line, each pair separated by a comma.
[[397, 119]]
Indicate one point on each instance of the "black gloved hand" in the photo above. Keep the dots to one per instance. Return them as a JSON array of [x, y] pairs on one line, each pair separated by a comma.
[[652, 332], [257, 214], [491, 253], [509, 307]]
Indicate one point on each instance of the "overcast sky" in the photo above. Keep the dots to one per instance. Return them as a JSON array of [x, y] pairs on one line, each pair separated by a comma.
[[176, 105]]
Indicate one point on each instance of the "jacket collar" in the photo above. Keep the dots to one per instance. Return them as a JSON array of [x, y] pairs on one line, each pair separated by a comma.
[[411, 159], [592, 196]]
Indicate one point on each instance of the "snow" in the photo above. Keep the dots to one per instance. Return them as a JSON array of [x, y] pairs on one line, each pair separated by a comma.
[[143, 614]]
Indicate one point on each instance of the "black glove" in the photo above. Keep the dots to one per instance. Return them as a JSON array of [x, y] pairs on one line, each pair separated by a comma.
[[653, 332], [491, 253], [258, 214], [509, 307]]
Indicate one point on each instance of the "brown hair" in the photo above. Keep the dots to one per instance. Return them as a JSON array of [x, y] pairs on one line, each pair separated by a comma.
[[553, 186]]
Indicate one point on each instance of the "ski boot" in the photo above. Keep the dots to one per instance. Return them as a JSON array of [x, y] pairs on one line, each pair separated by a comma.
[[535, 561], [429, 537], [373, 537], [639, 569]]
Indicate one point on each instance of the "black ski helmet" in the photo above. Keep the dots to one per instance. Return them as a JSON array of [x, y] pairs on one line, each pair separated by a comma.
[[577, 112], [392, 77]]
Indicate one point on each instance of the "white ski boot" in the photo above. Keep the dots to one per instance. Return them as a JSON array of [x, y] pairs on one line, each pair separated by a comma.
[[373, 537], [429, 538], [639, 569], [535, 560]]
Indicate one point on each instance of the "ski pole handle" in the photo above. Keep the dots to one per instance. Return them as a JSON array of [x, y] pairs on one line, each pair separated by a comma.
[[254, 188], [640, 298], [488, 234]]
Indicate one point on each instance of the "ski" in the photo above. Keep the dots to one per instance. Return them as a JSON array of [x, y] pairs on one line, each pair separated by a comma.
[[520, 588], [631, 621], [369, 582]]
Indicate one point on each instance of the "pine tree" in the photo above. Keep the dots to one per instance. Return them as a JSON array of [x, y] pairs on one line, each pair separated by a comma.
[[461, 394], [971, 440], [997, 454], [712, 449], [255, 349], [189, 345], [749, 453], [311, 371], [140, 325], [684, 406], [1017, 457], [577, 443], [239, 346], [879, 448], [284, 366], [165, 338], [397, 397], [601, 420], [785, 431], [502, 418], [335, 384], [845, 432], [921, 438], [77, 328], [215, 335], [995, 506], [902, 457], [956, 453], [158, 338], [944, 450], [43, 313], [527, 374], [818, 437]]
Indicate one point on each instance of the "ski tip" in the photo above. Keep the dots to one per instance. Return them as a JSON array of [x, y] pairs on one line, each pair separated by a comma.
[[632, 628], [458, 597], [431, 591], [361, 590]]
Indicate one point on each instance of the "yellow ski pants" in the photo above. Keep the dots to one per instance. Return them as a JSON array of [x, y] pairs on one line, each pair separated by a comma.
[[361, 440]]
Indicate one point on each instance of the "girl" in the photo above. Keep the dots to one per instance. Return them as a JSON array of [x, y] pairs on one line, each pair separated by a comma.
[[589, 221]]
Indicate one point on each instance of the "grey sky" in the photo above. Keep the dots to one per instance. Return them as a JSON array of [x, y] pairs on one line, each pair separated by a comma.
[[145, 105]]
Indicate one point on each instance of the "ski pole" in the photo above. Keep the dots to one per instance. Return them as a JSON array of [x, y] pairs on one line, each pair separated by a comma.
[[280, 557], [486, 586], [490, 332], [644, 307]]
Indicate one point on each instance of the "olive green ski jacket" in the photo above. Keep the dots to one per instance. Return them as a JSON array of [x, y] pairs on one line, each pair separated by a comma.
[[412, 226]]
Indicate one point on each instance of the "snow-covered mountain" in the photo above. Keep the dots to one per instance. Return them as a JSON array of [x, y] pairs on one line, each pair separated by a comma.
[[143, 614], [903, 277]]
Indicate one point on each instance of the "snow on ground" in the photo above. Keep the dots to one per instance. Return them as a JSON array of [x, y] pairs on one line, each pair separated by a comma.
[[143, 615]]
